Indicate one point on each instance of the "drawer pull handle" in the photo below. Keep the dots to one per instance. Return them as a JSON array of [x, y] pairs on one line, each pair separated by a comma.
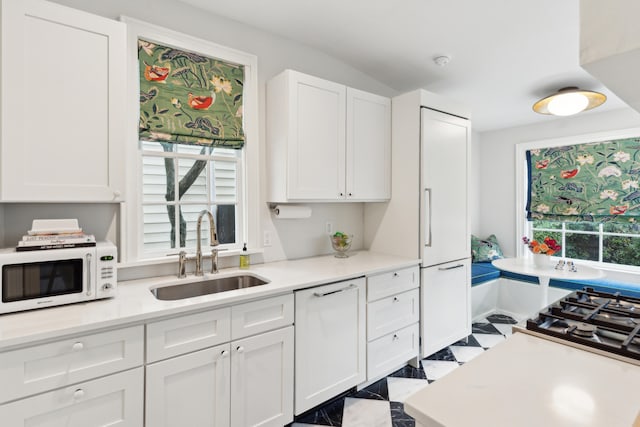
[[450, 268], [320, 294], [395, 337], [395, 274], [224, 353], [77, 346], [78, 394], [240, 349], [395, 299]]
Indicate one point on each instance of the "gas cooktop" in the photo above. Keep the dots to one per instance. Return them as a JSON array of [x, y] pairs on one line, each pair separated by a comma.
[[603, 322]]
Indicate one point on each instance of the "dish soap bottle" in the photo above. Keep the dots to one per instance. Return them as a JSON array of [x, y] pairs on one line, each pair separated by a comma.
[[244, 258]]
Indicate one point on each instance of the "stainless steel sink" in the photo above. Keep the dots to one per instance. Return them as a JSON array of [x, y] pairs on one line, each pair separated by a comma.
[[206, 287]]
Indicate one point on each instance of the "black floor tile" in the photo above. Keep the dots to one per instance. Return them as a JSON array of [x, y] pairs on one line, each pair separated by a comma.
[[329, 414], [501, 318], [376, 391], [444, 354], [410, 372], [469, 341], [399, 418], [484, 328]]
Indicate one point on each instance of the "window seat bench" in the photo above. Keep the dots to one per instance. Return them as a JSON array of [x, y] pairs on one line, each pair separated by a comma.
[[485, 271], [516, 295]]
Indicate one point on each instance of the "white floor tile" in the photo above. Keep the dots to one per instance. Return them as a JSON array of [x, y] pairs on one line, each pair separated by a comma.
[[366, 413], [464, 354], [488, 340], [504, 328], [436, 369], [401, 388]]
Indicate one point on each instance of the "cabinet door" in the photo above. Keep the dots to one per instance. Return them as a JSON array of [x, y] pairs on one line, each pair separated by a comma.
[[190, 390], [445, 172], [330, 341], [368, 171], [63, 92], [115, 400], [316, 155], [262, 379], [43, 367], [446, 305]]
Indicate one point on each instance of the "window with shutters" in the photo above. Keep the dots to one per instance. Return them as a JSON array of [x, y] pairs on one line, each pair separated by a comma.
[[179, 181], [196, 145]]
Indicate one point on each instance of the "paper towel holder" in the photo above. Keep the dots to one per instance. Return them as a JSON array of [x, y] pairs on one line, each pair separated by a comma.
[[284, 211]]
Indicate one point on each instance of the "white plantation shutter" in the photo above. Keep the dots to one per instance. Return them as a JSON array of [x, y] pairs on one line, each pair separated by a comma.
[[223, 175]]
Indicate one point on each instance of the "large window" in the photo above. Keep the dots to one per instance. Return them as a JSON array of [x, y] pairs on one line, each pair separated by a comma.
[[169, 184], [179, 181], [612, 243], [608, 241]]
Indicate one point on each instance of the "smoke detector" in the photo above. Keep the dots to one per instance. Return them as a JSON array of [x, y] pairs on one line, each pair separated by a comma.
[[441, 60]]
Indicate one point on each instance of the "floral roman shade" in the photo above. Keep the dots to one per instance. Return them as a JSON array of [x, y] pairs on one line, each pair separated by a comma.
[[188, 98], [585, 182]]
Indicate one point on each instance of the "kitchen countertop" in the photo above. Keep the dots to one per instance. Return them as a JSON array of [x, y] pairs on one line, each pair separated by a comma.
[[530, 381], [135, 303]]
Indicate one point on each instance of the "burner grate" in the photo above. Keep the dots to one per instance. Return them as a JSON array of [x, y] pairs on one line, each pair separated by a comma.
[[600, 320]]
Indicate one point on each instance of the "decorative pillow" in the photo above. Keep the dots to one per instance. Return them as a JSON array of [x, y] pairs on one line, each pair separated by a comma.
[[485, 250]]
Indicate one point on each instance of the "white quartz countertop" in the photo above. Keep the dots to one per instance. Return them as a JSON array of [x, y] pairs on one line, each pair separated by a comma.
[[529, 381], [135, 303]]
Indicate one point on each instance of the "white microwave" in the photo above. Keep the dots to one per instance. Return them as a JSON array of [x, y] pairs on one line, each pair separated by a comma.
[[50, 277]]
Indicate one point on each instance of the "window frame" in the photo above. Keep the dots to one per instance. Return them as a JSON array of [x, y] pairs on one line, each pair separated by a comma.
[[131, 226], [240, 224], [524, 227]]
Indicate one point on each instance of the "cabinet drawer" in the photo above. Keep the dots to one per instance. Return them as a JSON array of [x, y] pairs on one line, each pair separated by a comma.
[[261, 316], [171, 337], [48, 366], [392, 282], [114, 400], [389, 314], [391, 351]]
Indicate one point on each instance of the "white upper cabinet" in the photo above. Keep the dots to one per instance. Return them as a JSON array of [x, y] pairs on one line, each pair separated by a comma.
[[610, 46], [63, 103], [326, 142], [368, 146]]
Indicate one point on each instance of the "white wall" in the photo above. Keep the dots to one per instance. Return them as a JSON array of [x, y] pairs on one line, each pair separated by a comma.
[[496, 156], [292, 238]]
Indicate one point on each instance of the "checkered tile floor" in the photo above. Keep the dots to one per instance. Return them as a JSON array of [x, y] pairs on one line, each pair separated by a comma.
[[381, 404]]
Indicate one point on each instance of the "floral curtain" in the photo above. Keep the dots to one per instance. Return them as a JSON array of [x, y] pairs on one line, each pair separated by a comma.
[[585, 182], [187, 98]]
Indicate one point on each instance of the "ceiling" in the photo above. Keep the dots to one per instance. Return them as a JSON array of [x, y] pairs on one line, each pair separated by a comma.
[[505, 54]]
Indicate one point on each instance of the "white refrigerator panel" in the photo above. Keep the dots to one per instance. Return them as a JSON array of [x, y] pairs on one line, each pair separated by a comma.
[[444, 205]]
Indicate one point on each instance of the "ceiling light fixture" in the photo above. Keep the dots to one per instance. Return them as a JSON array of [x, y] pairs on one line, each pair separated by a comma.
[[442, 60], [569, 101]]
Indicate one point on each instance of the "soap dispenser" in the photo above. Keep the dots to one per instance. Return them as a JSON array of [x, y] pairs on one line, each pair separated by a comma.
[[244, 258]]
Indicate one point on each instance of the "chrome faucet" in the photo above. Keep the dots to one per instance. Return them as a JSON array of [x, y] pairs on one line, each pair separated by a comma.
[[213, 241]]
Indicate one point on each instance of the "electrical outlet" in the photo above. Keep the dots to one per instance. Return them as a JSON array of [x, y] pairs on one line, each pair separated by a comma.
[[266, 239], [328, 227]]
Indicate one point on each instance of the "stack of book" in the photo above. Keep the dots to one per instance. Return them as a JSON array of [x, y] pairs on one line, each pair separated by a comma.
[[55, 234]]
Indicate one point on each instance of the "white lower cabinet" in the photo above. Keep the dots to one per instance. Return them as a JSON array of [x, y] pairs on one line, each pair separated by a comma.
[[193, 389], [245, 382], [393, 313], [115, 400], [262, 380], [330, 341], [446, 305], [386, 354]]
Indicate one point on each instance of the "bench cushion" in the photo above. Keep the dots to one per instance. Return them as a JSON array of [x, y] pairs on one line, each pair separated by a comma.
[[482, 272]]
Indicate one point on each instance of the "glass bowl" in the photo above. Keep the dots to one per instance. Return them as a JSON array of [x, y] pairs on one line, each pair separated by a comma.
[[341, 244]]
